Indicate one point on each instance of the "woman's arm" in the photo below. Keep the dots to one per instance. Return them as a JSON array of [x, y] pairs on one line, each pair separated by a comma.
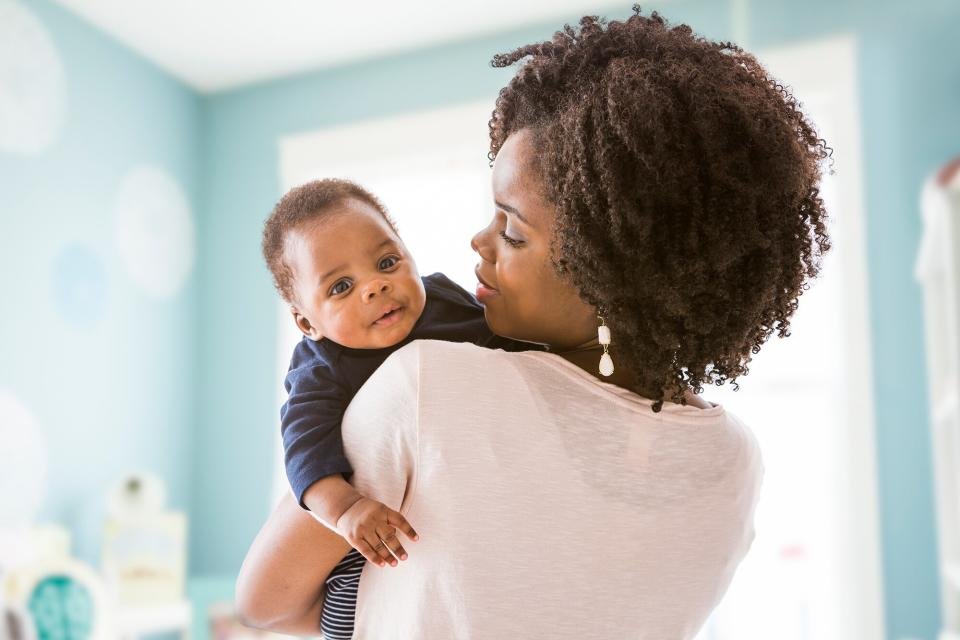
[[281, 583]]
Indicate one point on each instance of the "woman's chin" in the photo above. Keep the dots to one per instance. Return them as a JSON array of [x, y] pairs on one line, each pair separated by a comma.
[[492, 320], [499, 326]]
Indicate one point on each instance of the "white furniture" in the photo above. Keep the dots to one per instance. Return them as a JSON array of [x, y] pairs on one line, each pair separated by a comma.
[[938, 269], [135, 622]]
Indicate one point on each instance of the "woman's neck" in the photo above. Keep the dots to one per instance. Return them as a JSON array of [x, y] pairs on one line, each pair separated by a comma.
[[587, 357]]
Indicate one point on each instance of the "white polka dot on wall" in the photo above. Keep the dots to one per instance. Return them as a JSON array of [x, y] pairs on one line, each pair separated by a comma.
[[23, 463], [32, 91], [154, 231]]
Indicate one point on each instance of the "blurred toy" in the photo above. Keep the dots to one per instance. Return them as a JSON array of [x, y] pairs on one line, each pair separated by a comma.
[[135, 495], [144, 549], [60, 599]]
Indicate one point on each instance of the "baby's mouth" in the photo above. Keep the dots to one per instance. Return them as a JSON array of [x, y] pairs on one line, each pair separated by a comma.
[[393, 310]]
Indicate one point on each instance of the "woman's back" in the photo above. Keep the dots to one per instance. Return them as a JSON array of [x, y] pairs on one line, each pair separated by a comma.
[[547, 502]]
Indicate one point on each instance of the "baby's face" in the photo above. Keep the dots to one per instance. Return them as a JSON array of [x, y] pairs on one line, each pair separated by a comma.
[[349, 270]]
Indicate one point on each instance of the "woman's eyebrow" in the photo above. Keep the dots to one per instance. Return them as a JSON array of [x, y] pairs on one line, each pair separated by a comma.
[[510, 209]]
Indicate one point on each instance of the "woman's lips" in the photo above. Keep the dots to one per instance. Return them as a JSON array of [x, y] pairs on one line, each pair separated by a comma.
[[485, 293]]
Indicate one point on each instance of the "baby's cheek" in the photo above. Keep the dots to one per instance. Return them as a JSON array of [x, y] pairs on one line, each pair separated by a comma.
[[344, 329], [360, 338]]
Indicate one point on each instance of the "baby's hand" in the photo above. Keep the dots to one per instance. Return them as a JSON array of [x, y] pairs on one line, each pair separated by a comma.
[[370, 528]]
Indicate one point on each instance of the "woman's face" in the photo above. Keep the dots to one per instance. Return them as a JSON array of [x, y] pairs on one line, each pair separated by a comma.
[[522, 295]]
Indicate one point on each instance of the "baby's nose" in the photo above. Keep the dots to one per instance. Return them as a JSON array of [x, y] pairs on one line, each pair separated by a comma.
[[378, 287]]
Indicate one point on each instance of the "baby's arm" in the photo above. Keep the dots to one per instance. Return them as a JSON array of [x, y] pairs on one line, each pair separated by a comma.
[[315, 464], [310, 425], [369, 526], [329, 498]]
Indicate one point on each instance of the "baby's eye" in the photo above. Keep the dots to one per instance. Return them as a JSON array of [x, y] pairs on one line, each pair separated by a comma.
[[336, 289], [390, 260]]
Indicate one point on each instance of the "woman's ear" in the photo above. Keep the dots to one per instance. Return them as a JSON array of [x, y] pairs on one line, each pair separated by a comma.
[[304, 325]]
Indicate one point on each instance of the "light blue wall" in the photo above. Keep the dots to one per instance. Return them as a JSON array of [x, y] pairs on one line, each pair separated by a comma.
[[108, 377], [910, 98]]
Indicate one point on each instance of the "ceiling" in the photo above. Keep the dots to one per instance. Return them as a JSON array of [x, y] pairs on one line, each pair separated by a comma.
[[214, 45]]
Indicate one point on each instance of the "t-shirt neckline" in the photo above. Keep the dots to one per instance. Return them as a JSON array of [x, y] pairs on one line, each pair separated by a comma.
[[625, 395]]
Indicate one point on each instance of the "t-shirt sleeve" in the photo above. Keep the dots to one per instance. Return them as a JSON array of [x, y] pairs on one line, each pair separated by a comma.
[[381, 430], [310, 426]]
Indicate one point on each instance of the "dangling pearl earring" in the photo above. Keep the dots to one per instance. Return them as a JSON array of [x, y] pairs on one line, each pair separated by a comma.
[[606, 362]]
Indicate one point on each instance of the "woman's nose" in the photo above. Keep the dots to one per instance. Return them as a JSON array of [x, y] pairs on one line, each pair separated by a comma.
[[477, 244]]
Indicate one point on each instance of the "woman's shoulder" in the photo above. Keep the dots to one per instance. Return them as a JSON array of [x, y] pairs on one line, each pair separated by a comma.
[[427, 351], [480, 372], [432, 348], [443, 362], [424, 352]]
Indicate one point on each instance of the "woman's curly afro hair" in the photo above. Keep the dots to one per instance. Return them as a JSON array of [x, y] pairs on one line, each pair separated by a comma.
[[685, 182]]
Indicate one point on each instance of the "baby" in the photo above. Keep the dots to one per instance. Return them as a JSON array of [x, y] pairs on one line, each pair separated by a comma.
[[355, 294]]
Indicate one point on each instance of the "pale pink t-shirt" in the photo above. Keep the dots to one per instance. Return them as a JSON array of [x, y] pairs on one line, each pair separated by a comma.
[[549, 504]]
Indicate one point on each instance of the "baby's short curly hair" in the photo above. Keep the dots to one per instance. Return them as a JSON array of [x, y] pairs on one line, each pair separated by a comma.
[[685, 181], [308, 203]]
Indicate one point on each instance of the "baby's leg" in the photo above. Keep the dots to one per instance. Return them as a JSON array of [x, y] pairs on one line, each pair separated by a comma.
[[340, 602]]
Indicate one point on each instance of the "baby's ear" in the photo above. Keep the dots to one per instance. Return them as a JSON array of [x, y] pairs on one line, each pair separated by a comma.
[[304, 325]]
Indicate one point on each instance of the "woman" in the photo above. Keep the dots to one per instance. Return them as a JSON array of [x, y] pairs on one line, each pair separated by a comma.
[[646, 180]]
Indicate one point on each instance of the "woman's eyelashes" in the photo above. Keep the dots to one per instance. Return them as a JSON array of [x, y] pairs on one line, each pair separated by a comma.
[[513, 242], [390, 261]]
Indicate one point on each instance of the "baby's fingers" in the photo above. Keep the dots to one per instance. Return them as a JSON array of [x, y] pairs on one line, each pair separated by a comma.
[[396, 519], [377, 555], [390, 539], [383, 549]]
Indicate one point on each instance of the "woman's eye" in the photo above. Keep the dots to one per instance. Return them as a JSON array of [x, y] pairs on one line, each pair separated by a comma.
[[513, 242], [336, 289], [390, 261]]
